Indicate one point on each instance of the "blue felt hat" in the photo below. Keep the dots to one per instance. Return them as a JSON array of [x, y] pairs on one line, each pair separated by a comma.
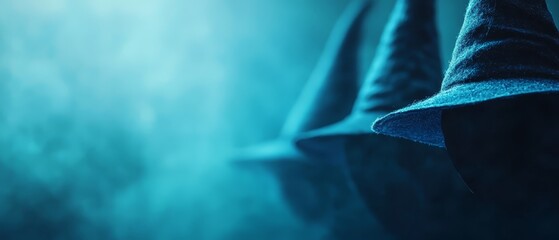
[[406, 68], [313, 190], [506, 48], [411, 188], [329, 94]]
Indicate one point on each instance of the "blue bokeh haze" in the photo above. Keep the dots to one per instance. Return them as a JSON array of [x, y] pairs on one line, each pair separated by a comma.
[[117, 118]]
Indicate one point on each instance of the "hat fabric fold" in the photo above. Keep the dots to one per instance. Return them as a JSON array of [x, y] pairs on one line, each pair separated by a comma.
[[329, 94], [411, 188], [505, 48], [406, 68], [311, 190]]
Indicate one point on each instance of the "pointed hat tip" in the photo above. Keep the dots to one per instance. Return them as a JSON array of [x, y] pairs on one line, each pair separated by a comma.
[[386, 87], [494, 58], [330, 92]]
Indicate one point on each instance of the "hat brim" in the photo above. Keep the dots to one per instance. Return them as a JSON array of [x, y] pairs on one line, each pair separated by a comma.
[[280, 152], [331, 139], [268, 153], [421, 121]]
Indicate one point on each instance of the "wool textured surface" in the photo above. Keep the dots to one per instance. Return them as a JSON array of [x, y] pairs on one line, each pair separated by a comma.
[[411, 188], [406, 68], [506, 48]]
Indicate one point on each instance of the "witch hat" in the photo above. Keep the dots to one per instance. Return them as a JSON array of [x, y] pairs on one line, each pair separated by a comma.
[[411, 188], [406, 68], [326, 98], [506, 48], [329, 94]]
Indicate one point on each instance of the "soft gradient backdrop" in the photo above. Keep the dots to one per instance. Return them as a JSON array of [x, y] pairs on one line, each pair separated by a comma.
[[117, 118]]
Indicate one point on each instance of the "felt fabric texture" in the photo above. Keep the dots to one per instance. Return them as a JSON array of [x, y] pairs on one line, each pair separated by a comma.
[[415, 192], [506, 48], [506, 151], [406, 68], [412, 189]]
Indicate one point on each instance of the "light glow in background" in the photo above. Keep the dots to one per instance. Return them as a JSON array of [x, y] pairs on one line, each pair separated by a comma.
[[118, 118]]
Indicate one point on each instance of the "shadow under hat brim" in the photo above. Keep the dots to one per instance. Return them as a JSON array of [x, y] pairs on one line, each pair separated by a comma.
[[330, 140], [421, 121]]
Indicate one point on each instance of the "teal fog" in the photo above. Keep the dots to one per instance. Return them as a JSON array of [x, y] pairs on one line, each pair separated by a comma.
[[118, 118]]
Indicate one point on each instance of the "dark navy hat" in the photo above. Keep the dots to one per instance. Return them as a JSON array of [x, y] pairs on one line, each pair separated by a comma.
[[314, 190], [406, 68], [329, 94], [411, 188], [506, 48]]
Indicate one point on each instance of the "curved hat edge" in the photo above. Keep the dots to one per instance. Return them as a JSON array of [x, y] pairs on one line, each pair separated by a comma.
[[404, 122], [350, 126]]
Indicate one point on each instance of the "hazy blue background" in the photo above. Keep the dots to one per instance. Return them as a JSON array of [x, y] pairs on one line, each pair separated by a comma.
[[117, 118]]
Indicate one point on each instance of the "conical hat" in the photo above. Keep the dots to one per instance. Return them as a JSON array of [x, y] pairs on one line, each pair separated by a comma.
[[313, 190], [411, 188], [329, 94], [406, 68], [506, 48]]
